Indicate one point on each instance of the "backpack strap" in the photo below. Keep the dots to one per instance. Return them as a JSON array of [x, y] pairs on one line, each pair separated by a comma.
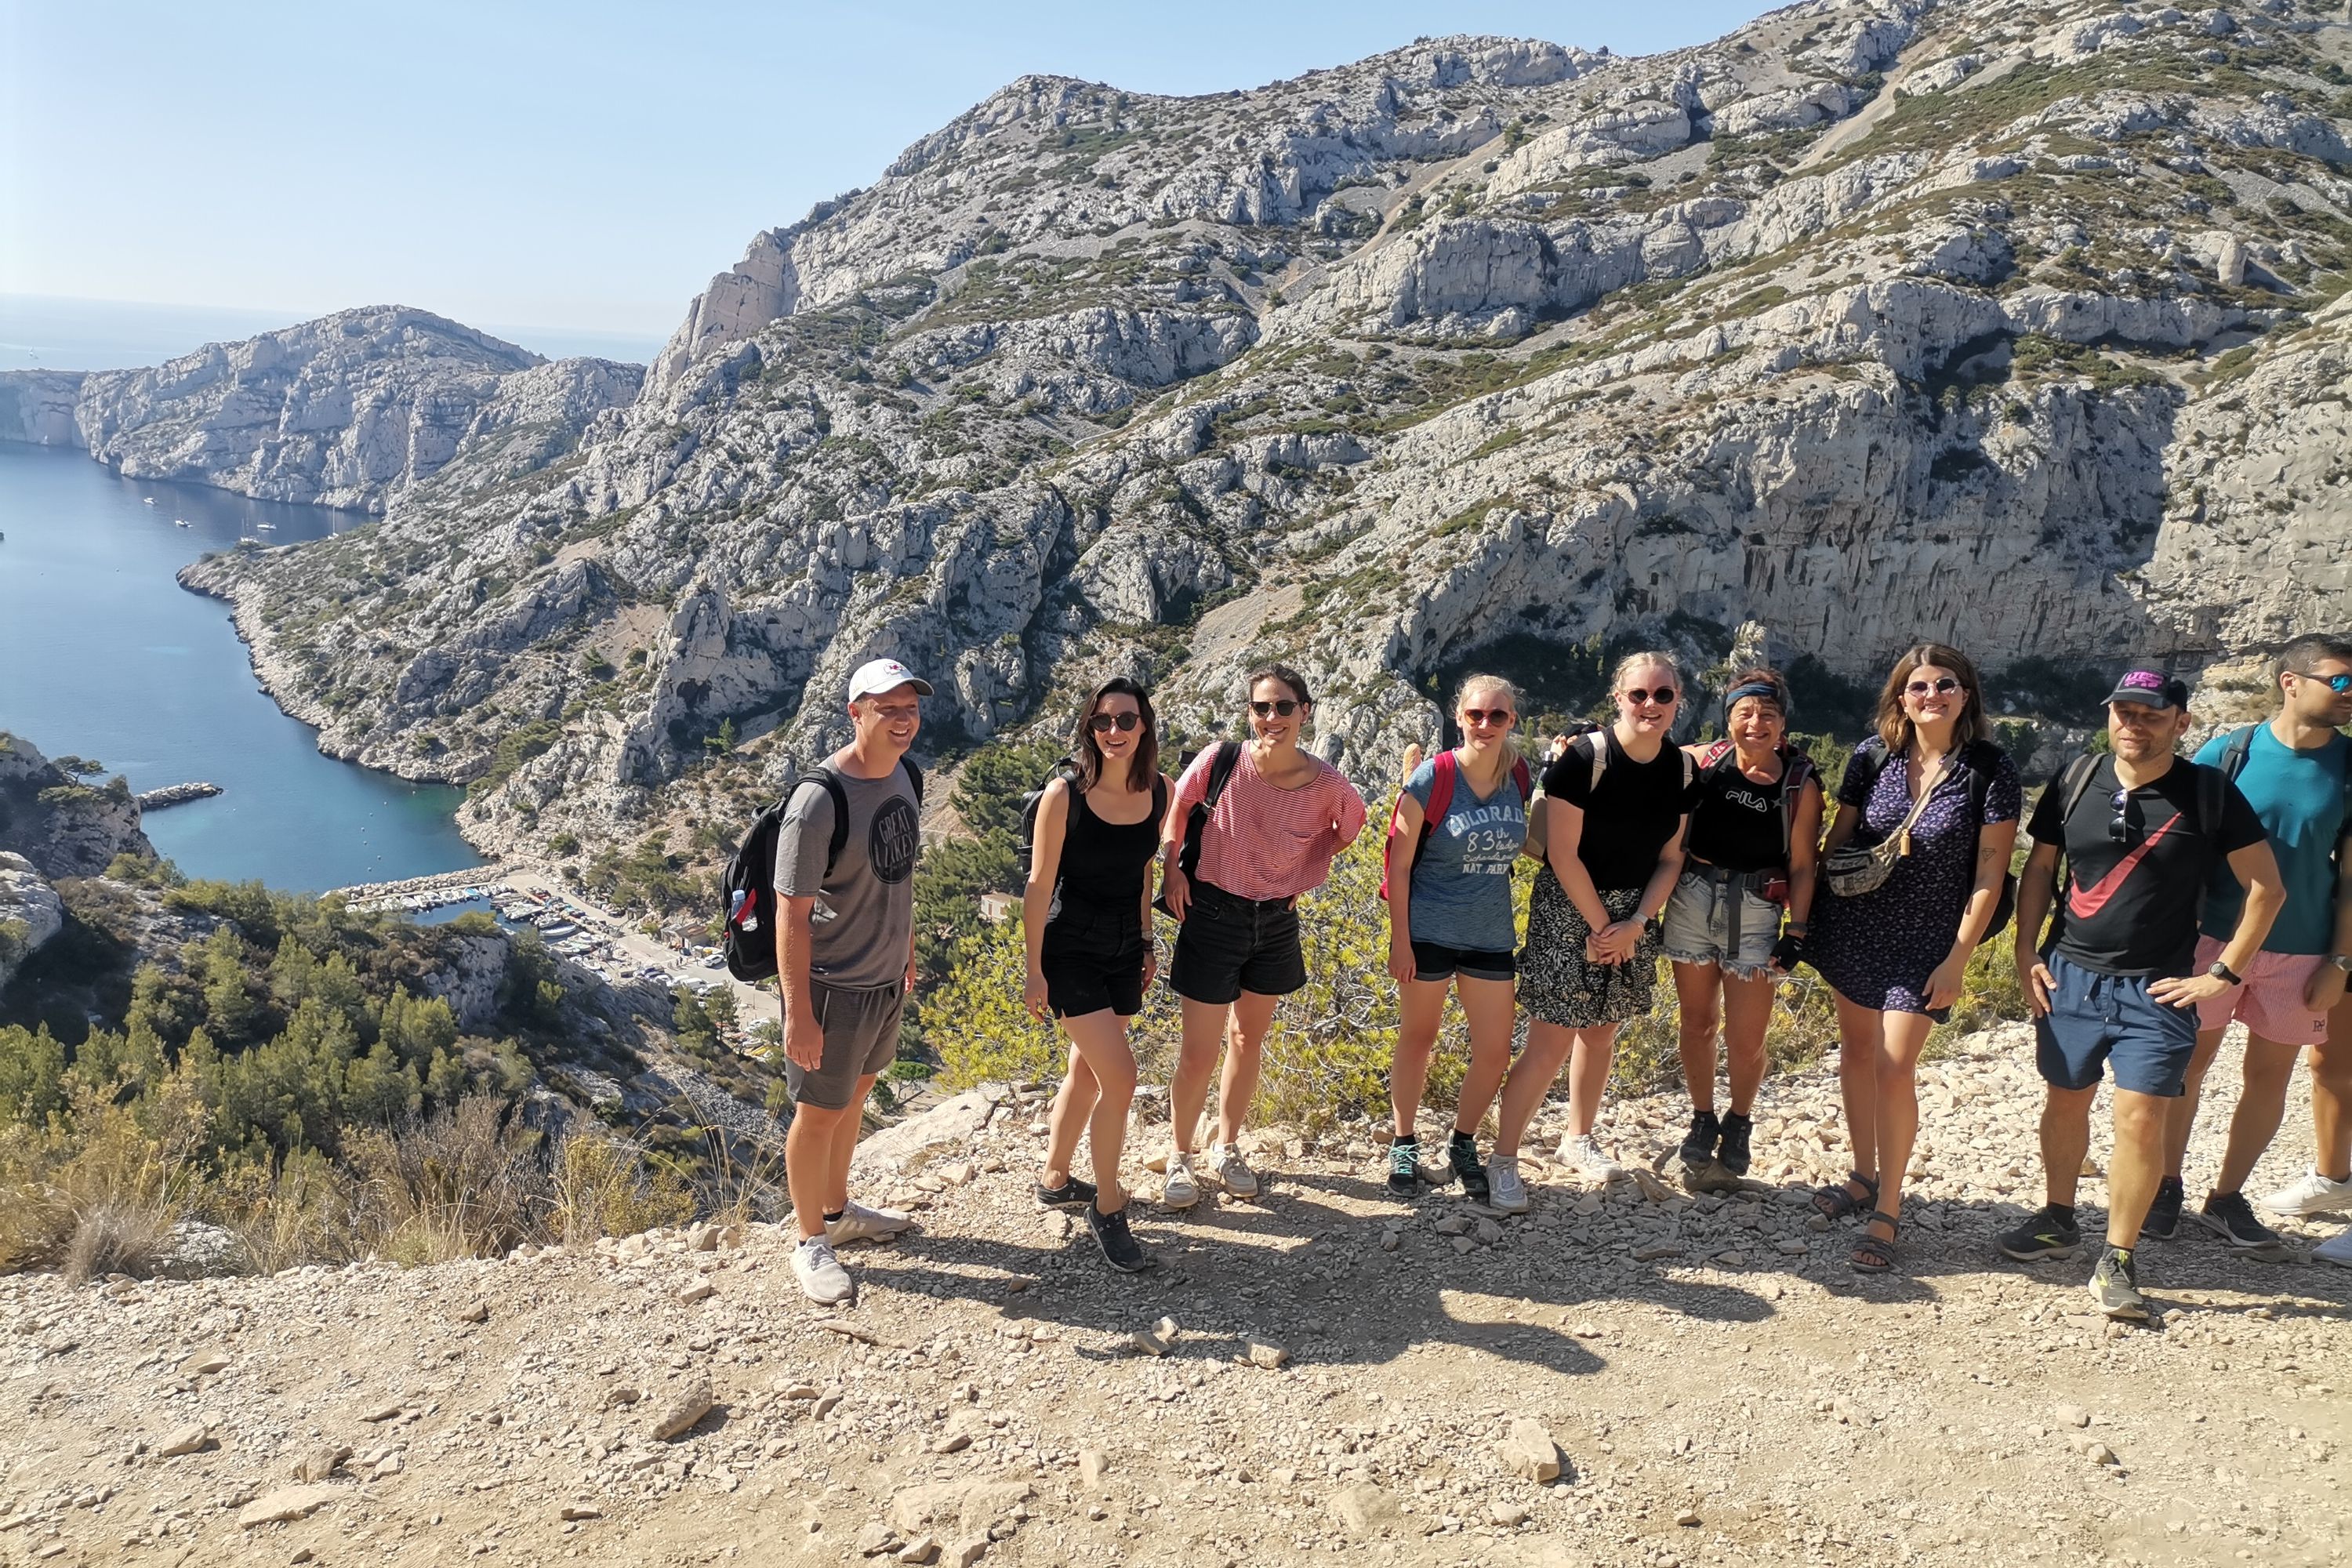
[[1596, 743], [1873, 754], [1796, 772], [826, 779], [1525, 779], [1221, 772], [914, 777], [2212, 785], [1444, 769], [1715, 752], [2236, 749]]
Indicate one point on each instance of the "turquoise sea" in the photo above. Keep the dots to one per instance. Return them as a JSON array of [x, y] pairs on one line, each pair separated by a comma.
[[104, 655]]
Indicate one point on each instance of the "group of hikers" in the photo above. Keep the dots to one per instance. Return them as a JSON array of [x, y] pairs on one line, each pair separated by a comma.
[[2163, 898]]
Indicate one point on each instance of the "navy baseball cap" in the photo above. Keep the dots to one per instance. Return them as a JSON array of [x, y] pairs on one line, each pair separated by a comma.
[[2150, 689]]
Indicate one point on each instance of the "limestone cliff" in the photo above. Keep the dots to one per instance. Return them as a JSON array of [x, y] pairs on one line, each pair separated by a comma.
[[1878, 319]]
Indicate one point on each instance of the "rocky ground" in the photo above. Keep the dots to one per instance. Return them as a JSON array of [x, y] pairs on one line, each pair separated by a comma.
[[1343, 1376]]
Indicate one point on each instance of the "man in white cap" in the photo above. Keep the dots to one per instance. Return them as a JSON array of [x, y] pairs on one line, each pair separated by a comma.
[[845, 959]]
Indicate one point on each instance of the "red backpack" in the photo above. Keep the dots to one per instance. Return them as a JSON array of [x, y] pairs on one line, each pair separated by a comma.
[[1440, 798]]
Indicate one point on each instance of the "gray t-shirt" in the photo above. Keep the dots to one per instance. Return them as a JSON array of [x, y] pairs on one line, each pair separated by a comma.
[[1462, 875], [863, 921]]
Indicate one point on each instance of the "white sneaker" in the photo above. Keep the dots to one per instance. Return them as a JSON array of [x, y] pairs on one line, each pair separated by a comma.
[[1183, 1188], [1505, 1191], [2336, 1249], [1582, 1153], [859, 1223], [823, 1278], [2313, 1194], [1231, 1174]]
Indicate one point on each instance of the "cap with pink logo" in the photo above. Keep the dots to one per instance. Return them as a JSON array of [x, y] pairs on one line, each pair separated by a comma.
[[878, 675], [2149, 688]]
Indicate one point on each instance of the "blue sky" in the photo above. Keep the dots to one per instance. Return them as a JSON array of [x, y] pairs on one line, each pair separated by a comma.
[[585, 165]]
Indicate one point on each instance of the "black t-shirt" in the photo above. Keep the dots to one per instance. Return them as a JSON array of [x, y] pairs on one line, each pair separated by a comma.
[[1735, 821], [2131, 907], [1632, 816]]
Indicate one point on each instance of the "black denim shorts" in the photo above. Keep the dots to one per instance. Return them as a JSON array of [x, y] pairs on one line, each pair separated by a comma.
[[1229, 945], [1093, 960]]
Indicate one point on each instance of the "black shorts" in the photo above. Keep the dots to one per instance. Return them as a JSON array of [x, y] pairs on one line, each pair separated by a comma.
[[1093, 960], [1230, 945], [1433, 961]]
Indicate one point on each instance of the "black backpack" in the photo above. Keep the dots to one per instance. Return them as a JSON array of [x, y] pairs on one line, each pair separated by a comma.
[[1221, 772], [2212, 802], [748, 891], [1983, 760], [1067, 772]]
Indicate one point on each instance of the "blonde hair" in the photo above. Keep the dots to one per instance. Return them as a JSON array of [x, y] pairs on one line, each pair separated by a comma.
[[1634, 661], [1471, 683]]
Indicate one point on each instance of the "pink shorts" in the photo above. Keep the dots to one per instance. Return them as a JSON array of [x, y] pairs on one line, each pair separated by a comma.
[[2270, 1001]]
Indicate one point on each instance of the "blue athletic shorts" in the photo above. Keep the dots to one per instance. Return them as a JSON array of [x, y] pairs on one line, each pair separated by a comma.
[[2109, 1020]]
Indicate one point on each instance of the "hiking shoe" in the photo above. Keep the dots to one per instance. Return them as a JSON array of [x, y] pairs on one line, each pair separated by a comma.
[[823, 1278], [859, 1223], [1737, 1130], [2230, 1216], [1582, 1153], [1404, 1170], [1462, 1153], [2164, 1214], [2313, 1194], [1071, 1195], [2114, 1286], [1231, 1174], [1699, 1143], [1119, 1248], [1183, 1188], [2051, 1232], [1505, 1191]]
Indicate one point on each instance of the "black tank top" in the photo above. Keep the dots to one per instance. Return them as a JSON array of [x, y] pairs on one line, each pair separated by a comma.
[[1735, 821], [1103, 862]]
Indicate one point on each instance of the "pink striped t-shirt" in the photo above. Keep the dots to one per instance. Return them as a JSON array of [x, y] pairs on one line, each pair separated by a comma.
[[1265, 842]]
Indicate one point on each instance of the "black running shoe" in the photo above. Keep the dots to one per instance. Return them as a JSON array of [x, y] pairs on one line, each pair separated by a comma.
[[2232, 1218], [2050, 1233], [1119, 1248], [1404, 1169], [1737, 1130], [1072, 1193], [2114, 1286], [1699, 1143], [2163, 1220], [1462, 1153]]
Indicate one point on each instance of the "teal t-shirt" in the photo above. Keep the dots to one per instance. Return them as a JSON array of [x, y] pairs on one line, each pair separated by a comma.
[[1462, 877], [2299, 796]]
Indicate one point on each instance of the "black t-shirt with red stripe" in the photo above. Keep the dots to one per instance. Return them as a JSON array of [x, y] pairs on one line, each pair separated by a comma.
[[2131, 907]]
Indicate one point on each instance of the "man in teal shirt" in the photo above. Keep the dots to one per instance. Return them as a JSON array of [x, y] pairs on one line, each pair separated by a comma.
[[2294, 769]]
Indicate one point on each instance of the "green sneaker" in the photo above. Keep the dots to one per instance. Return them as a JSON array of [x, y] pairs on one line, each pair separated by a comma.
[[1404, 1170], [2114, 1286]]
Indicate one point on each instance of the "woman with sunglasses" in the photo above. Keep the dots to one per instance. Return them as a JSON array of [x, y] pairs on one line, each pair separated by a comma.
[[1895, 955], [1268, 837], [1615, 809], [1458, 826], [1755, 826], [1085, 917]]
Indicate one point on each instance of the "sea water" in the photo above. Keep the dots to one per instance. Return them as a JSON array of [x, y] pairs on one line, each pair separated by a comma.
[[103, 655]]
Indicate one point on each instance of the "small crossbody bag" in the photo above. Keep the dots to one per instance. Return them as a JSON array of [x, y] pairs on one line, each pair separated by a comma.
[[1852, 872]]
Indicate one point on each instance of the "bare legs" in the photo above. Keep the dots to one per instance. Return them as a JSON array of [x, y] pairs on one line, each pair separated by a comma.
[[817, 1151], [1705, 995], [1420, 1007], [1095, 1096], [1204, 1031], [2132, 1174], [1530, 1079], [1878, 1077], [2262, 1106], [2331, 1097]]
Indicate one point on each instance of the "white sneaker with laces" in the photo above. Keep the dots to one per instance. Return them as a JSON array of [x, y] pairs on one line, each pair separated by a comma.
[[1505, 1191], [823, 1278], [1183, 1188], [1582, 1153], [2336, 1249], [2313, 1194], [1231, 1174], [859, 1223]]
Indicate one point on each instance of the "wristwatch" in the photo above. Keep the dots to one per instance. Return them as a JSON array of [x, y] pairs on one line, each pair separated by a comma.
[[2221, 971], [2342, 961]]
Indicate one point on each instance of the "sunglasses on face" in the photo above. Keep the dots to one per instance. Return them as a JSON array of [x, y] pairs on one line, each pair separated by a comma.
[[1665, 696], [1944, 685], [1104, 723], [2119, 826], [1285, 707], [1479, 716], [2339, 684]]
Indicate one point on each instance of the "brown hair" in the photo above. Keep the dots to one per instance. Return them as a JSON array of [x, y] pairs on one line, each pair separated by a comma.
[[1895, 725], [1284, 674], [1760, 675], [1144, 764]]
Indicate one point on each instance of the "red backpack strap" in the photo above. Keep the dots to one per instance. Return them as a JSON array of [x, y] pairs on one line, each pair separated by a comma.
[[1440, 792], [1715, 752], [1523, 780]]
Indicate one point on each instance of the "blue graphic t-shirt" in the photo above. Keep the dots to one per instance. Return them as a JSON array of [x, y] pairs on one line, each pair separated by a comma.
[[2299, 796], [1461, 878]]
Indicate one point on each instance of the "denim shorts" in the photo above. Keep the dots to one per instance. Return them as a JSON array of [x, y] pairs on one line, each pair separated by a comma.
[[1229, 945], [1092, 961], [2109, 1020], [1698, 919]]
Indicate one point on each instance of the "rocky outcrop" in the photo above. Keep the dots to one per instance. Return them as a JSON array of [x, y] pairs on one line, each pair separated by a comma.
[[30, 913], [63, 827], [37, 406]]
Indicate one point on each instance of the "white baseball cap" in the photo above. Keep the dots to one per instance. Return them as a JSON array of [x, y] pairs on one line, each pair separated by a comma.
[[878, 675]]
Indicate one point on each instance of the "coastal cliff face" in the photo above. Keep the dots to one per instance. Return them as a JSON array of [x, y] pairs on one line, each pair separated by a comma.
[[352, 410], [1875, 320], [51, 826]]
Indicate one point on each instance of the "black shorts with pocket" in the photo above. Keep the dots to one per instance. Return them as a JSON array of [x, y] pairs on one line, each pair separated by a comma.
[[1230, 945], [1093, 959], [1435, 961]]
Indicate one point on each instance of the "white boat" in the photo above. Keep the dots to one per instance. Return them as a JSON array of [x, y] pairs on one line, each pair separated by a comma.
[[266, 527], [181, 523], [150, 500]]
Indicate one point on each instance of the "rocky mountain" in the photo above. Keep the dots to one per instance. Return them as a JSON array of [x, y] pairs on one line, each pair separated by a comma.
[[1876, 319], [352, 410], [52, 824]]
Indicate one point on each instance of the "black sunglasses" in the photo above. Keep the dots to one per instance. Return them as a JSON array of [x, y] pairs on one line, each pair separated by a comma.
[[1664, 695], [1944, 684], [1285, 707], [1103, 723], [2119, 826], [1488, 715]]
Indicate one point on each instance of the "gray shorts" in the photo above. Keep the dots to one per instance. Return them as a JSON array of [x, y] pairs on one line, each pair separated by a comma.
[[1698, 925], [861, 1037]]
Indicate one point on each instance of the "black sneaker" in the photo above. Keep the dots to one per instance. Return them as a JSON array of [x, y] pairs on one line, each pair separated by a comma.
[[2050, 1233], [1737, 1130], [1404, 1169], [1072, 1193], [1699, 1143], [1119, 1248], [2163, 1220], [1462, 1153], [2114, 1286], [2232, 1218]]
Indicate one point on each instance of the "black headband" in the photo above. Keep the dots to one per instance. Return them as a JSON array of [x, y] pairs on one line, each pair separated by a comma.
[[1763, 689]]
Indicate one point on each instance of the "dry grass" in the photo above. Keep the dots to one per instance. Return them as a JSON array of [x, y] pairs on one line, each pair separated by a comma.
[[105, 1200]]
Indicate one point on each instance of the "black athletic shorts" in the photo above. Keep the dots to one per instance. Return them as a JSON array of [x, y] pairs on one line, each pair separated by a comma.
[[1093, 960], [1230, 945], [1432, 961]]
